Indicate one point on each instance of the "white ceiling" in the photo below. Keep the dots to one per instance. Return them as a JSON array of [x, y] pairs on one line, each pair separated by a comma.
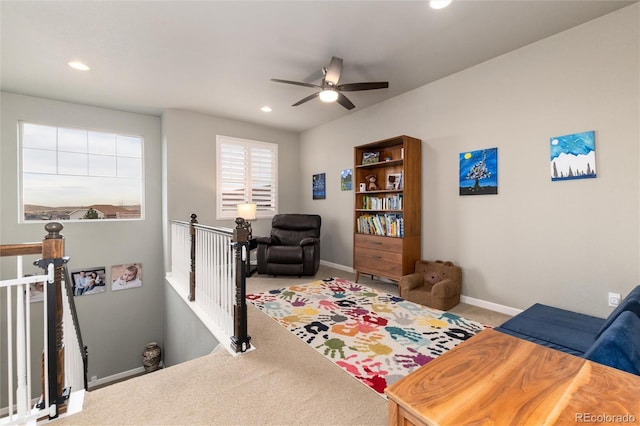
[[217, 57]]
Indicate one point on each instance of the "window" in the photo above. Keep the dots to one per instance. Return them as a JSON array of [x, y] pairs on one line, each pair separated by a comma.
[[75, 174], [247, 172]]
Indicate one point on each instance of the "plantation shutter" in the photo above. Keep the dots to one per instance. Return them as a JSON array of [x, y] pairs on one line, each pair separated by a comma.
[[246, 173]]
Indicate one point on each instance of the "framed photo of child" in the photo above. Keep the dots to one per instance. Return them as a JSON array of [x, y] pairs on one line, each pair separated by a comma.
[[89, 281], [126, 276]]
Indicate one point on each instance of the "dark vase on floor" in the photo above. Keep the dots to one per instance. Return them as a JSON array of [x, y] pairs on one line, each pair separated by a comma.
[[151, 357]]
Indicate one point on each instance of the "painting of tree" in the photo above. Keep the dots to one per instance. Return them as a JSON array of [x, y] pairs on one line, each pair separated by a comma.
[[479, 172]]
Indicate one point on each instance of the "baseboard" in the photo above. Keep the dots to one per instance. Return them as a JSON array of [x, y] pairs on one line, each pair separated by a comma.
[[95, 382], [337, 266], [350, 269], [496, 307]]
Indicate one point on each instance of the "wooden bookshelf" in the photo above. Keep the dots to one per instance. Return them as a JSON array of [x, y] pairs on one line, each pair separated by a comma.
[[387, 220]]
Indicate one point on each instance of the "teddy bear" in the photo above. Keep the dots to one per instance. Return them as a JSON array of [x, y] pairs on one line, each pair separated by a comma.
[[432, 277], [372, 182]]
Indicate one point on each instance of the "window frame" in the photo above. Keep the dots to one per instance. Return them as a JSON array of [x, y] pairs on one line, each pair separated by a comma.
[[262, 212], [21, 169]]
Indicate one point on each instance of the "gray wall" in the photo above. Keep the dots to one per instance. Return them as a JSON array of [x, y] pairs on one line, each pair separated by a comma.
[[561, 243], [189, 144], [116, 326]]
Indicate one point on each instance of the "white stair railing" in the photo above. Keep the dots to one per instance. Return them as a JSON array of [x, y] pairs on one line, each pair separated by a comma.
[[207, 272], [18, 410], [63, 366]]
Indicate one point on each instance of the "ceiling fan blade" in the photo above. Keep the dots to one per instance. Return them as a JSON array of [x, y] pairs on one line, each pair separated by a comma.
[[333, 71], [308, 98], [351, 87], [297, 83], [345, 102]]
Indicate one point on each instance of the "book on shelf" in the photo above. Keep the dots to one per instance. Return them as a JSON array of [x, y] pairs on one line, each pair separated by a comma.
[[390, 202], [389, 224]]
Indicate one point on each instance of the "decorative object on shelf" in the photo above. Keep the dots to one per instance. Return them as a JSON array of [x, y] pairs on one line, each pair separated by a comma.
[[319, 186], [151, 357], [370, 157], [363, 187], [573, 156], [346, 179], [479, 172], [371, 183], [394, 181], [246, 212]]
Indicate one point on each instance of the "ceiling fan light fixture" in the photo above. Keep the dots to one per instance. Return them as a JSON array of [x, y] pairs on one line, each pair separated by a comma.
[[439, 4], [328, 95]]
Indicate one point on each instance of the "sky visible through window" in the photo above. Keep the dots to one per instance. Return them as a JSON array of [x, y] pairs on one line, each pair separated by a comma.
[[63, 167]]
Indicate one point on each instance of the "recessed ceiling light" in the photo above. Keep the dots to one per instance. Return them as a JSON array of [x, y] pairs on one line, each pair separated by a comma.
[[266, 109], [439, 4], [78, 66]]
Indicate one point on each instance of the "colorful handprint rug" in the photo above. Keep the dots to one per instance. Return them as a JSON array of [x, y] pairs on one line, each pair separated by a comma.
[[376, 337]]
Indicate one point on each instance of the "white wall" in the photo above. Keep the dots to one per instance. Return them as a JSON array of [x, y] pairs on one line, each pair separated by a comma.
[[561, 243], [116, 326]]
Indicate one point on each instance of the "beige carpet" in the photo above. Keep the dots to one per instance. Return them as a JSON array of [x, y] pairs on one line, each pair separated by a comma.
[[282, 382]]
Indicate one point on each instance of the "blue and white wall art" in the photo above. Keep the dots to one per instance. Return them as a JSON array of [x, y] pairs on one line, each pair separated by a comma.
[[479, 172], [573, 156]]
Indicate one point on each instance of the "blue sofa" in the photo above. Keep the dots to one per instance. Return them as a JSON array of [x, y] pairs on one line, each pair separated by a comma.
[[614, 341]]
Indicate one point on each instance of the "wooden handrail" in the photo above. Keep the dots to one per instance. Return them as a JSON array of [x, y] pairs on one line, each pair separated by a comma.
[[20, 249]]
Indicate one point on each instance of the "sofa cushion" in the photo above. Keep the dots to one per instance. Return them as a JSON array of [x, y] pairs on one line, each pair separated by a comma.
[[619, 345], [629, 303], [556, 328]]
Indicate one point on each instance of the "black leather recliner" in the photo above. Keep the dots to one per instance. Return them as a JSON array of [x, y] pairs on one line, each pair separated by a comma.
[[293, 247]]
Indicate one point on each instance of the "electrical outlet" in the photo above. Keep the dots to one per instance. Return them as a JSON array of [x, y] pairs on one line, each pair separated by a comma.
[[614, 299]]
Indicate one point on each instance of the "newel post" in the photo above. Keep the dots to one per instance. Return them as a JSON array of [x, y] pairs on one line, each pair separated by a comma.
[[53, 252], [192, 271], [240, 339]]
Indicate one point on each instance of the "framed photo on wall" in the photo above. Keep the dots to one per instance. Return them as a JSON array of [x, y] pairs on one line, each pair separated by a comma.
[[89, 281], [126, 276]]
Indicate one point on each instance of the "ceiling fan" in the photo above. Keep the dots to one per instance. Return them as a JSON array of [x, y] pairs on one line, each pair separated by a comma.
[[330, 90]]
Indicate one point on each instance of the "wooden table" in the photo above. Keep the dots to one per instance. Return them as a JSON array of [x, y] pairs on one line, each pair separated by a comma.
[[494, 378]]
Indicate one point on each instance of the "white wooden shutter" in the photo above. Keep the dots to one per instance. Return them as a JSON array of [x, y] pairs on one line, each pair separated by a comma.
[[247, 173]]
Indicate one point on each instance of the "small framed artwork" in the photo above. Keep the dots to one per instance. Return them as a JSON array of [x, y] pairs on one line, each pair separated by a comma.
[[89, 281], [370, 157], [573, 156], [394, 181], [126, 276], [479, 172], [319, 187], [346, 180]]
